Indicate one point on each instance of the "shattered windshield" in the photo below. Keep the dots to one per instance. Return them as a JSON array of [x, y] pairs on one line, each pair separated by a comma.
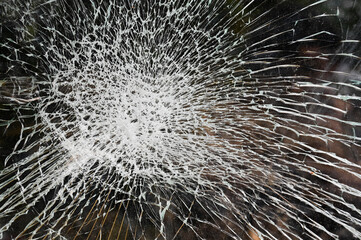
[[172, 119]]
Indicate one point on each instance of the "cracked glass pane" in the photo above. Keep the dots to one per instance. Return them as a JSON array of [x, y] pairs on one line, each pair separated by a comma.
[[173, 119]]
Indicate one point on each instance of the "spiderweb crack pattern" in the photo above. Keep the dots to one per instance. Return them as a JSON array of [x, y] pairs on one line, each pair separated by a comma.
[[177, 119]]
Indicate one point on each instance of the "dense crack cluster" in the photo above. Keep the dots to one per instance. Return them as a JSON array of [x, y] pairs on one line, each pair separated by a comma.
[[178, 119]]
